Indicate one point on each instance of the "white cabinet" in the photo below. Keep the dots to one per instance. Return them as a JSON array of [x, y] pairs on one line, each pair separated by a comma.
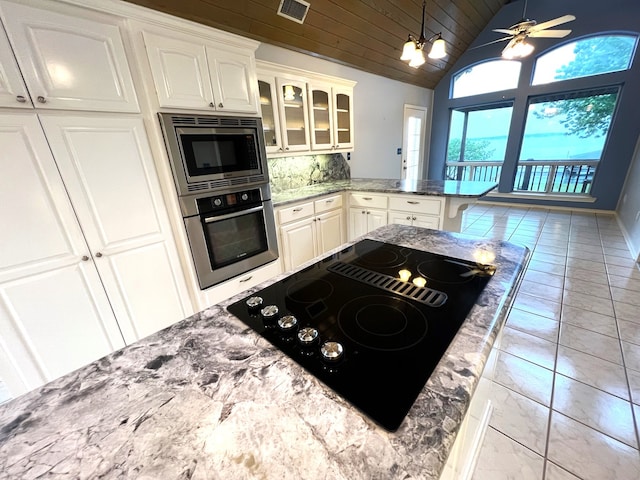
[[69, 62], [294, 116], [416, 211], [331, 116], [304, 111], [54, 313], [89, 263], [366, 212], [310, 229], [190, 73], [13, 91]]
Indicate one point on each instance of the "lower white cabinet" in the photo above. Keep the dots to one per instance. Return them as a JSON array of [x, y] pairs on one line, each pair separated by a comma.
[[310, 229], [408, 218], [366, 212], [88, 263]]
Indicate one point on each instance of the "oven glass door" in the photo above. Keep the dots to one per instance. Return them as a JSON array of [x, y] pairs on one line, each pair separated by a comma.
[[217, 152], [235, 236]]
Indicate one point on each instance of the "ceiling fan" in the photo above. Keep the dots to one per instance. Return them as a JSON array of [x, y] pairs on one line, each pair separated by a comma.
[[518, 33]]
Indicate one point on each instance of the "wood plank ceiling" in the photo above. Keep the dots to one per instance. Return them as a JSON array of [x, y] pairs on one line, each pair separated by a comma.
[[364, 34]]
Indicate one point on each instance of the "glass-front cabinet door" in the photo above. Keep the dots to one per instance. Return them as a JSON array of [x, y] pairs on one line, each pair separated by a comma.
[[343, 118], [292, 99], [321, 117], [270, 115]]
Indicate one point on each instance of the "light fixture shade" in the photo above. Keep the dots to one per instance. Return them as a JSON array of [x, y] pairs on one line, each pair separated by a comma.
[[289, 93], [407, 50], [417, 59], [438, 49], [519, 49]]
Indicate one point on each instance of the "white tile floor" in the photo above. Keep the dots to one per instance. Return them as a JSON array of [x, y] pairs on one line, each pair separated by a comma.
[[566, 389]]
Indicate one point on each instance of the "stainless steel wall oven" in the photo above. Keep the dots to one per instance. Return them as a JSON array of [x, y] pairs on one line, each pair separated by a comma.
[[219, 166]]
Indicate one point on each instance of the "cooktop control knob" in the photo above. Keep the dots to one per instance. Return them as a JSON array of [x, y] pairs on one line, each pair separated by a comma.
[[331, 351], [269, 313], [288, 323], [244, 197], [217, 201], [254, 304], [308, 336]]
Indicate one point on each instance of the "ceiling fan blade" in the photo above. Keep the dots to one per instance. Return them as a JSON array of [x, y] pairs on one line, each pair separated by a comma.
[[552, 23], [505, 30], [551, 33], [491, 43]]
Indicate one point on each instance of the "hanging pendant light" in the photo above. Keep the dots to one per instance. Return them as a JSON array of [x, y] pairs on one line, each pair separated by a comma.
[[412, 50]]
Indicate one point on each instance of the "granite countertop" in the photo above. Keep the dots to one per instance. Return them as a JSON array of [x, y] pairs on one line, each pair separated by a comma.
[[446, 188], [207, 398]]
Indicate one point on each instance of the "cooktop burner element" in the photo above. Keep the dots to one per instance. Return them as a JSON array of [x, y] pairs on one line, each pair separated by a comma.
[[371, 321]]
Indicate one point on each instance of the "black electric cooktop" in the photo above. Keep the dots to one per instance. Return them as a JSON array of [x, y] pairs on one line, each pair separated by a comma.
[[371, 321]]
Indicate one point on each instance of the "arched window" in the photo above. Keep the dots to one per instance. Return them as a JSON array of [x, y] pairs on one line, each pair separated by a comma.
[[584, 58], [491, 76]]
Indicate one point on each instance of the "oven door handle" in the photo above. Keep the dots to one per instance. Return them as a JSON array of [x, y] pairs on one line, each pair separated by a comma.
[[259, 208]]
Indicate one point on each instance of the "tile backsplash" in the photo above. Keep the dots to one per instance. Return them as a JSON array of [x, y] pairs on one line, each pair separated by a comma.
[[294, 172]]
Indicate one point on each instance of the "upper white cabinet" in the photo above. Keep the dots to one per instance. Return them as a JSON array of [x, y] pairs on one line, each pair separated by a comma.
[[331, 117], [13, 91], [69, 62], [304, 111], [190, 73]]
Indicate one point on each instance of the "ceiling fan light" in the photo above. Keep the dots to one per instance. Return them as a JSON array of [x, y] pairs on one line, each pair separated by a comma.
[[519, 49], [438, 49], [408, 49], [417, 59]]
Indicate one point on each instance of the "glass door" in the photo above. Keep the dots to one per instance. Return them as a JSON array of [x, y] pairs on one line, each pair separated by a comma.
[[293, 113], [270, 120], [343, 115], [322, 137]]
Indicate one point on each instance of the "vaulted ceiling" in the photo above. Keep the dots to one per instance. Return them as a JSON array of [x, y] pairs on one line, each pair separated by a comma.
[[364, 34]]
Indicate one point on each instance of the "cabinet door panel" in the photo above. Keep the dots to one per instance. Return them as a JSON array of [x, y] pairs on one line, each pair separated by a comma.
[[400, 218], [13, 92], [299, 242], [234, 85], [357, 223], [375, 219], [110, 176], [330, 231], [54, 313], [180, 72], [70, 62]]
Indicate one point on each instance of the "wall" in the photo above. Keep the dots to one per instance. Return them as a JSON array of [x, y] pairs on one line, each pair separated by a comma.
[[592, 16], [378, 110], [629, 207]]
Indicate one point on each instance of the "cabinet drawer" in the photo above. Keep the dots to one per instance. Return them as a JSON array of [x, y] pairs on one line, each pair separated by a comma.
[[328, 203], [413, 203], [366, 200], [295, 212]]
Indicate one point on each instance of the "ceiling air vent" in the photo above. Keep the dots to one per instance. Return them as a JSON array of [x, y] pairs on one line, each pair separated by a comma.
[[295, 10]]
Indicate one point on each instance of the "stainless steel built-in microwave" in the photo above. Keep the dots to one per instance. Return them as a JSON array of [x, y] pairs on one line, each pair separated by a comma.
[[209, 153]]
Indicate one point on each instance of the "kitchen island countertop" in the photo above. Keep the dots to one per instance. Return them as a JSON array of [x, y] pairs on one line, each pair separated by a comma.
[[207, 398], [443, 188]]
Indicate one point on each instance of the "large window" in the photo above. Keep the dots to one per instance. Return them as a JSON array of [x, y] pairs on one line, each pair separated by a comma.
[[563, 136], [492, 76], [586, 57], [478, 142]]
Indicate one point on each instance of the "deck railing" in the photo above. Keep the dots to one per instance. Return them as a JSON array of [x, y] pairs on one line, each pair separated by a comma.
[[570, 177]]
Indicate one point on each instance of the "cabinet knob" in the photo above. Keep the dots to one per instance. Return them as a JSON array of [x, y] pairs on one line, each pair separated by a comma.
[[363, 212], [220, 105], [280, 149], [368, 213], [408, 217], [287, 148], [85, 258], [41, 99], [211, 104], [98, 254], [414, 218], [336, 146], [21, 99]]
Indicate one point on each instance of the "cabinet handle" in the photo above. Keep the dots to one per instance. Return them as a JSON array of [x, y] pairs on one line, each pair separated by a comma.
[[330, 200], [85, 258], [220, 105], [412, 202], [367, 198], [41, 99], [297, 209], [98, 254], [21, 99], [246, 279], [211, 105]]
